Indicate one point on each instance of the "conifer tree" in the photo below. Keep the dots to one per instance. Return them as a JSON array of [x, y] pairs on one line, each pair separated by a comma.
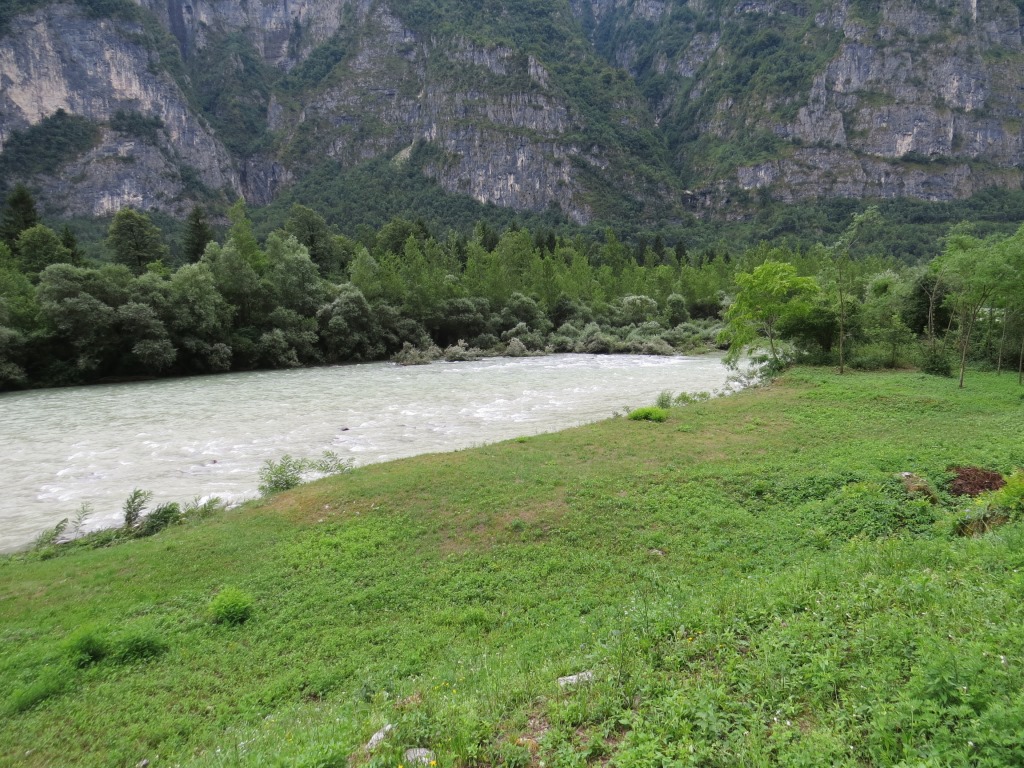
[[198, 233], [19, 215]]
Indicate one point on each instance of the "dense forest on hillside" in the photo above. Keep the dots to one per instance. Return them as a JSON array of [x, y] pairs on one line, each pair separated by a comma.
[[308, 295]]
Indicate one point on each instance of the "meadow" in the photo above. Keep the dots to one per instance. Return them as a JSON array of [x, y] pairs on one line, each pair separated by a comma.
[[749, 582]]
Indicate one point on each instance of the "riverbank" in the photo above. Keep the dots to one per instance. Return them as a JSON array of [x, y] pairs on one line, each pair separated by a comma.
[[209, 436], [748, 582]]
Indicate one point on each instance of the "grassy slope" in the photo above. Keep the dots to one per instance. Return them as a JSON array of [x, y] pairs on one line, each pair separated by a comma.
[[721, 574]]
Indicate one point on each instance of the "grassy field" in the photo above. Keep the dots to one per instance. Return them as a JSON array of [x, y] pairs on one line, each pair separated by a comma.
[[749, 583]]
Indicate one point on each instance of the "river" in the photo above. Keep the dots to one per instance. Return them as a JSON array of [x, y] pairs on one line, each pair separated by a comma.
[[208, 436]]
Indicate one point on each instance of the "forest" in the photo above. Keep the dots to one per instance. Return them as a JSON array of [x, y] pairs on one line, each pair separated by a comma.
[[308, 295]]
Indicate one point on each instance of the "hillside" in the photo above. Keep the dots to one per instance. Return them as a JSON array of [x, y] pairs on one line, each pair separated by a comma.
[[749, 583], [635, 110]]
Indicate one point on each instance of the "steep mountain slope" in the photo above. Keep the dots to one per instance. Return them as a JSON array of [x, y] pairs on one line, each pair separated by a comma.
[[853, 98], [606, 109]]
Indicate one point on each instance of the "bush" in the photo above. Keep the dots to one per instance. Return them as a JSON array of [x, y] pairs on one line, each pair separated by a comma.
[[935, 362], [664, 400], [231, 606], [651, 413], [283, 475]]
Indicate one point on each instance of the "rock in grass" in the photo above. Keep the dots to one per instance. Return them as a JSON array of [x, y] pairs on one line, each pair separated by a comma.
[[419, 756], [378, 737], [580, 677]]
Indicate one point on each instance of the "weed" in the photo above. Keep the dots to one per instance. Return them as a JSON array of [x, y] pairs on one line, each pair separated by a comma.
[[86, 646], [134, 506], [231, 606], [290, 472], [650, 413], [50, 682], [137, 644]]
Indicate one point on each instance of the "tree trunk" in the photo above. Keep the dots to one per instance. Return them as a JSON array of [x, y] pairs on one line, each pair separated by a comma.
[[1002, 342], [965, 342], [1020, 363]]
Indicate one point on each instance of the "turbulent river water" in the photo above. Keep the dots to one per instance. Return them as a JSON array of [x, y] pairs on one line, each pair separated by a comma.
[[208, 436]]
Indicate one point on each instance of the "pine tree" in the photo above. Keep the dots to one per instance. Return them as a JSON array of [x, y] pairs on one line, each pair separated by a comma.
[[19, 215], [198, 233], [69, 241]]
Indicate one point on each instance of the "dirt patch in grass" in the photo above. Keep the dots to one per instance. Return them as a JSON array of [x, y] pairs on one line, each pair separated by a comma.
[[971, 481]]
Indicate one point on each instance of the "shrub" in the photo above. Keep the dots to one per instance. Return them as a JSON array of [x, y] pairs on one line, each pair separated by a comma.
[[651, 413], [231, 606], [516, 348], [664, 400], [935, 362], [283, 475]]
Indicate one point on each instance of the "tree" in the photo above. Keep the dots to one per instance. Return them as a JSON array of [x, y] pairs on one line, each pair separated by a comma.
[[19, 215], [69, 241], [841, 268], [975, 270], [135, 240], [312, 230], [198, 233], [765, 296], [38, 247]]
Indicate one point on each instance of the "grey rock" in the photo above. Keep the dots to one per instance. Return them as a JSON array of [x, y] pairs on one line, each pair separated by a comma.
[[419, 756], [378, 737], [578, 678]]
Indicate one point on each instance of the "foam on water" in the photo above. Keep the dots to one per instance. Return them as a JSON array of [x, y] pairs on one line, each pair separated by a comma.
[[206, 436]]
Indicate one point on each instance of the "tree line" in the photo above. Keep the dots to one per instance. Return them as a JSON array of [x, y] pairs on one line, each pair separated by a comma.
[[307, 295]]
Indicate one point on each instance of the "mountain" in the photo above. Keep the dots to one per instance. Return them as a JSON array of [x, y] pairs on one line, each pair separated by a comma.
[[605, 110]]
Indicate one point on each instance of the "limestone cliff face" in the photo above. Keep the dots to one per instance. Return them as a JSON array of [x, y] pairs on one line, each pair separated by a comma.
[[794, 99], [916, 99], [54, 59], [499, 130], [284, 32], [924, 105]]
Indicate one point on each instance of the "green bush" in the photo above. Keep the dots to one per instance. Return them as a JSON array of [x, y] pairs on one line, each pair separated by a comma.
[[231, 606], [664, 400], [651, 413], [935, 362], [283, 475]]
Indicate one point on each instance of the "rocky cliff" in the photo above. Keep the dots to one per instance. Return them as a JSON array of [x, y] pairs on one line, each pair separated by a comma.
[[604, 108]]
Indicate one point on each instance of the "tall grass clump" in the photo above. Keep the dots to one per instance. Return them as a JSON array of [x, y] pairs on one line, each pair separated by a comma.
[[650, 413], [231, 606]]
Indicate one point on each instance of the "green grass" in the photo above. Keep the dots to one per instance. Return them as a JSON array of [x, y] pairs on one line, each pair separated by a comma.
[[748, 582]]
